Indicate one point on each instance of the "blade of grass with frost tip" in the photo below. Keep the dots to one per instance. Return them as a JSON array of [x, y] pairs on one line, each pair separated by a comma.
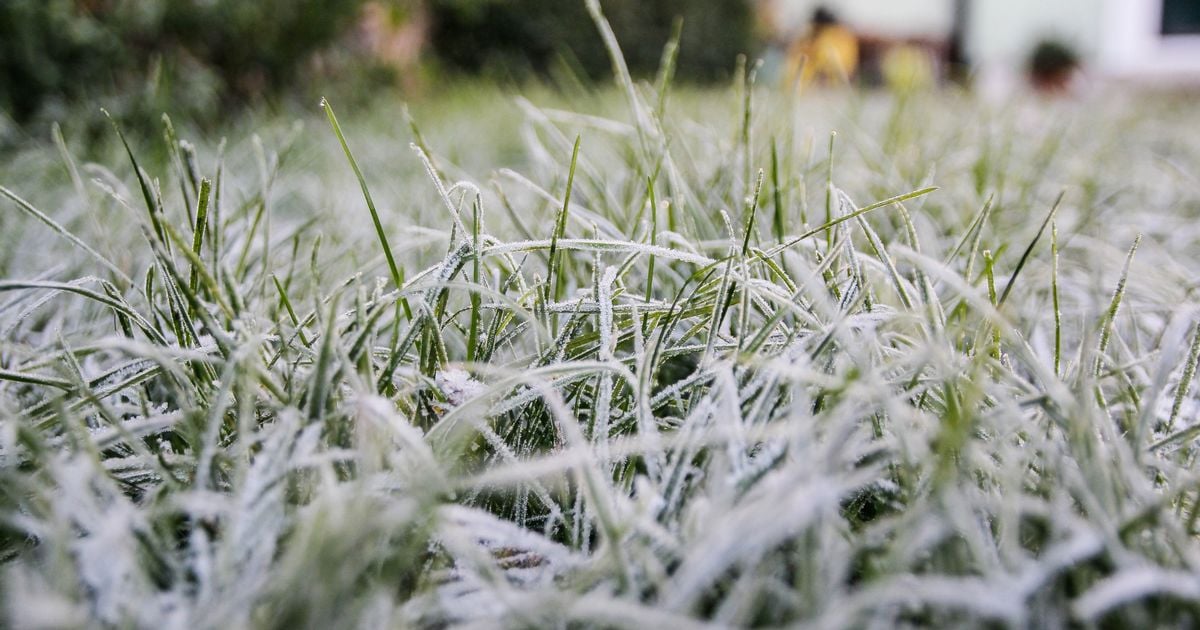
[[1185, 380], [218, 228], [152, 208], [777, 195], [1110, 316], [829, 191], [746, 304], [198, 231], [621, 72], [512, 212], [750, 73], [775, 251], [200, 276], [560, 226], [1179, 437], [268, 167], [928, 292], [287, 305], [172, 142], [476, 277], [65, 233], [148, 290], [652, 237], [116, 304], [1054, 299], [975, 242], [719, 307], [186, 333], [666, 66], [64, 154], [322, 380], [191, 167], [172, 283], [397, 273], [972, 235], [60, 143], [123, 321], [36, 379], [751, 212], [419, 140], [358, 359], [989, 265], [251, 232], [1029, 250], [777, 272], [882, 254], [455, 210]]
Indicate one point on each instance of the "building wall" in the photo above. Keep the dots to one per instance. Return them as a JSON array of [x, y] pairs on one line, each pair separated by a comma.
[[1133, 48], [892, 18], [1002, 33], [1116, 38]]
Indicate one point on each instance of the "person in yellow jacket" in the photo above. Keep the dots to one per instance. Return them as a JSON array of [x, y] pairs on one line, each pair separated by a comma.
[[828, 54]]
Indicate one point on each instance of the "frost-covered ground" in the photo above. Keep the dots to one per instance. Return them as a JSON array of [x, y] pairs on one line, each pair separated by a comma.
[[749, 374]]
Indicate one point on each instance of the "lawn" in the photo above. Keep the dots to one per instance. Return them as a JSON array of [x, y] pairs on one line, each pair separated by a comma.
[[626, 357]]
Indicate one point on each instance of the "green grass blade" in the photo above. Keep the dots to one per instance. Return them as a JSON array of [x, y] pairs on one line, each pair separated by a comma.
[[775, 251], [1110, 315], [198, 231], [560, 226], [393, 268], [1012, 280], [65, 233]]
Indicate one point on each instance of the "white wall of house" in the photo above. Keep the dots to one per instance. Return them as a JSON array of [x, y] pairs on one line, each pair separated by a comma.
[[1002, 33], [1134, 48], [1117, 38], [893, 18]]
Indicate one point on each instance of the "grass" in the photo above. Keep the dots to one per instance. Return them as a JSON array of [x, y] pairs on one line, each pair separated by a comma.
[[684, 358]]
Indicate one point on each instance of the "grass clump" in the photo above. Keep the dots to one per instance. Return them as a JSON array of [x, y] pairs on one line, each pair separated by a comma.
[[683, 364]]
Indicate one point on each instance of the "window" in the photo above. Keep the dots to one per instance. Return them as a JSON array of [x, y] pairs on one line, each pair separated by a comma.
[[1181, 17]]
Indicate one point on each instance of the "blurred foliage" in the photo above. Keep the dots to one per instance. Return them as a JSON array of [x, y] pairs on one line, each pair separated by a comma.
[[142, 57], [1051, 61], [50, 48], [255, 46], [64, 60], [523, 37]]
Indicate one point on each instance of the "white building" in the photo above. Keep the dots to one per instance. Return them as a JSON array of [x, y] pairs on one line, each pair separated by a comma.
[[1155, 40]]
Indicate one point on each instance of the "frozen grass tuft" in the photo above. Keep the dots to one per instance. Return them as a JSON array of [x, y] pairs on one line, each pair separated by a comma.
[[690, 361]]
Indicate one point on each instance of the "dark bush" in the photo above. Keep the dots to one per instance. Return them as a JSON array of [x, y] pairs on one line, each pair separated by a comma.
[[1052, 57], [256, 47], [188, 56], [519, 37], [49, 49]]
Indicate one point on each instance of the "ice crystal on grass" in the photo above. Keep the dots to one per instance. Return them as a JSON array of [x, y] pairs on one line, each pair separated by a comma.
[[457, 386]]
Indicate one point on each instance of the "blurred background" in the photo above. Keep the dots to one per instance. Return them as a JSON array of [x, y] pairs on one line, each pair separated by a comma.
[[204, 61]]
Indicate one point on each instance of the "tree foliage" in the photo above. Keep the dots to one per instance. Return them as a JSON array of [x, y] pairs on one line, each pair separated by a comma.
[[520, 37], [216, 51]]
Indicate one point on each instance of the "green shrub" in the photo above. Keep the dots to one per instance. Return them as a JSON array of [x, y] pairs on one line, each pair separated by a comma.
[[142, 57], [256, 47], [50, 49]]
